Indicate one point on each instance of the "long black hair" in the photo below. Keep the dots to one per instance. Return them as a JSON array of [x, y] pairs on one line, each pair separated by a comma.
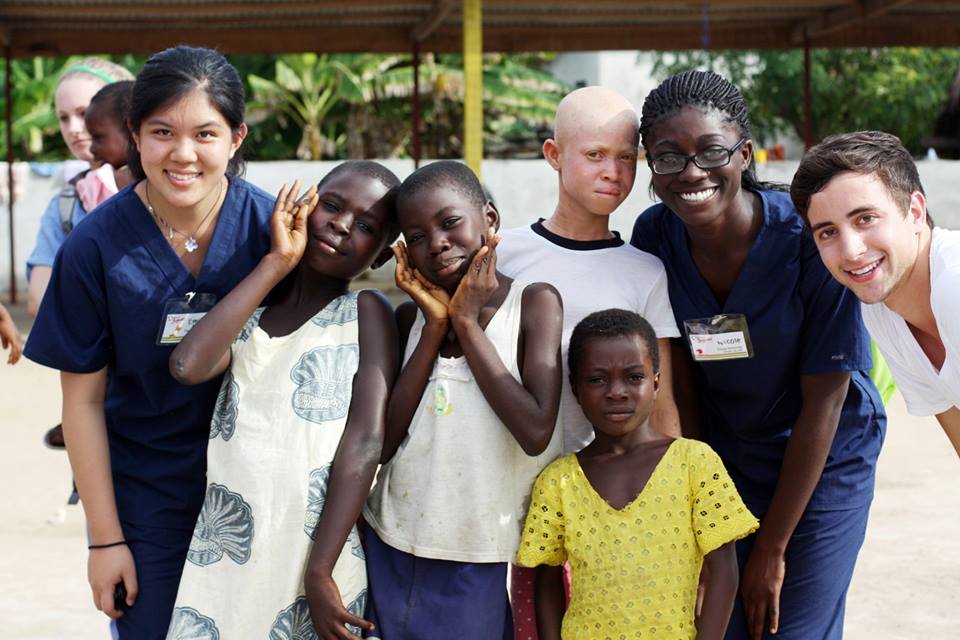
[[701, 89], [173, 74]]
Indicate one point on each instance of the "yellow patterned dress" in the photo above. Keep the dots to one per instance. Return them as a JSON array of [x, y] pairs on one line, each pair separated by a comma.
[[634, 570]]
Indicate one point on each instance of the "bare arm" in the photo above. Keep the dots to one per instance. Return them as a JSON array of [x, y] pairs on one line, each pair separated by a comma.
[[950, 421], [205, 351], [10, 336], [406, 394], [720, 590], [549, 601], [354, 464], [665, 417], [528, 408], [39, 279], [684, 389], [85, 432], [806, 453]]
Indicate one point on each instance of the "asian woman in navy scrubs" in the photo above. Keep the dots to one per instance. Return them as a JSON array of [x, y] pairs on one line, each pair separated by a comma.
[[783, 395], [125, 285]]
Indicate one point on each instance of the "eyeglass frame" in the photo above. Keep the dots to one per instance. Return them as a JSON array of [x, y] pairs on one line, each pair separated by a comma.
[[693, 157]]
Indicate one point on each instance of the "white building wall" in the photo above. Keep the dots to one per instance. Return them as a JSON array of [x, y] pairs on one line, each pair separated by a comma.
[[524, 190]]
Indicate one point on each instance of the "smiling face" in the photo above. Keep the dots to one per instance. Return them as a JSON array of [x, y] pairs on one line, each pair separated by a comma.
[[444, 229], [868, 242], [349, 228], [696, 195], [71, 100], [615, 384], [109, 143], [184, 150]]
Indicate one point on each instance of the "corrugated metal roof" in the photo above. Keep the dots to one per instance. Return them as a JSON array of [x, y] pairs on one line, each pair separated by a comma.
[[57, 27]]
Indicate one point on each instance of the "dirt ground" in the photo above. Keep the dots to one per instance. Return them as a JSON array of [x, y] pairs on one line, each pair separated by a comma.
[[907, 582]]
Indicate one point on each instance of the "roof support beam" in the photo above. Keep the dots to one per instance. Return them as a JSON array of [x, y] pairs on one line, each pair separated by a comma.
[[836, 19], [438, 13]]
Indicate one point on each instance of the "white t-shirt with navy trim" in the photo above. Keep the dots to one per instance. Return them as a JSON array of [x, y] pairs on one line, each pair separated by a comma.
[[591, 275]]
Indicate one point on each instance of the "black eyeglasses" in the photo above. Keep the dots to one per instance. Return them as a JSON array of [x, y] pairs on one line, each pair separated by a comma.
[[712, 157]]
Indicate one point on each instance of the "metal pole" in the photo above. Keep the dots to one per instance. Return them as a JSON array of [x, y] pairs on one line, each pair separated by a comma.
[[473, 81], [807, 100], [416, 105], [11, 187]]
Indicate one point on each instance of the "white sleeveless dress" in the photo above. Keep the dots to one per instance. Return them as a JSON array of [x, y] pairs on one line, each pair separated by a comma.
[[276, 427], [459, 484]]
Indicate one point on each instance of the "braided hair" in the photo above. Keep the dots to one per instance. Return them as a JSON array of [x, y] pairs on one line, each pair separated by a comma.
[[702, 89]]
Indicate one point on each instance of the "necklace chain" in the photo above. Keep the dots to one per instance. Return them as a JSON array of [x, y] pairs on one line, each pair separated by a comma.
[[190, 242]]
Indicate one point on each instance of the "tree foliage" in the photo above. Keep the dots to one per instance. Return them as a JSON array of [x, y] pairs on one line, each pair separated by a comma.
[[900, 90], [314, 106]]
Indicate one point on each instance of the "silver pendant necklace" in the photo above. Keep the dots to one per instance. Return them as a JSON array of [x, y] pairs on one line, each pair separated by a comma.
[[190, 242]]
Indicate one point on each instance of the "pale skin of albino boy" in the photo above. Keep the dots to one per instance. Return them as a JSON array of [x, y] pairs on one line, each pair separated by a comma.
[[856, 222], [594, 152]]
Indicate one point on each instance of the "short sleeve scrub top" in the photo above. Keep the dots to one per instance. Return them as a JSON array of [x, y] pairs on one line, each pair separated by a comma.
[[800, 322], [104, 307]]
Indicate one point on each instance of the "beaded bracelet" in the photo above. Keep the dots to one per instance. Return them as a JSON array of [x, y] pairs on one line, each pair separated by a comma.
[[107, 546]]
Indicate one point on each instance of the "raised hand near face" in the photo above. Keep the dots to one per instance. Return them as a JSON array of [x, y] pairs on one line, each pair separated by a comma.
[[288, 224], [479, 283], [431, 299]]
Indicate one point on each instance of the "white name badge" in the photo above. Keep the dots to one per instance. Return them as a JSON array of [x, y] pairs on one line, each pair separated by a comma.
[[181, 314], [722, 337], [177, 325]]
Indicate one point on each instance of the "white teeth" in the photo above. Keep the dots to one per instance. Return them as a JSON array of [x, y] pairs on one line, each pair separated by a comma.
[[181, 176], [867, 269], [697, 196]]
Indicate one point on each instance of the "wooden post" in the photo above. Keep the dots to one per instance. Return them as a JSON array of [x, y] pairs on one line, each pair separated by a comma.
[[807, 99], [416, 106], [473, 83], [11, 187]]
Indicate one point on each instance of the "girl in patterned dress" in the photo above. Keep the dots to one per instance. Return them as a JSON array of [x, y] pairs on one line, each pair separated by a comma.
[[635, 513], [275, 552]]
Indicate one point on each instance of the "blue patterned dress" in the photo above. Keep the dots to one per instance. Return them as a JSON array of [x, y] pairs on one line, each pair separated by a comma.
[[277, 424]]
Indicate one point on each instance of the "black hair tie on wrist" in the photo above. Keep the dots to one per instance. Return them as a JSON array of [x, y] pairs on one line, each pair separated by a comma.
[[106, 546]]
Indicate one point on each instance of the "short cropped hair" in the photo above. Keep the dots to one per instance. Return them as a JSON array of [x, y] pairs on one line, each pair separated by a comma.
[[610, 323], [868, 152], [374, 171], [114, 99], [444, 173]]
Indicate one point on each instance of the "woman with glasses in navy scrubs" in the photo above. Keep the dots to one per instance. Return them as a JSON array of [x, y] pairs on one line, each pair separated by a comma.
[[123, 290], [776, 355]]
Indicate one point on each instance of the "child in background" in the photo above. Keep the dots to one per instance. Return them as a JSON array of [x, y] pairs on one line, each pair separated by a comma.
[[75, 88], [471, 419], [10, 337], [636, 513], [291, 455], [106, 122]]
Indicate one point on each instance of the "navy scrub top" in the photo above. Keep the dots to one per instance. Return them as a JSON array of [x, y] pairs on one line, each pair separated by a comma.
[[801, 322], [104, 307]]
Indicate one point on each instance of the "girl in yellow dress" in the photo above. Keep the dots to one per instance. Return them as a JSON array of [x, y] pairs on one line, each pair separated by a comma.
[[635, 513]]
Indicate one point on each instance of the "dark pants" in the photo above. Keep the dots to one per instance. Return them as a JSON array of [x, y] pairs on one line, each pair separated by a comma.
[[820, 560], [415, 598], [159, 555]]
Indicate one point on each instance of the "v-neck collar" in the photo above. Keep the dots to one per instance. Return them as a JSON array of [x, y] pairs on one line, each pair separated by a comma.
[[636, 499], [755, 257], [163, 254]]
